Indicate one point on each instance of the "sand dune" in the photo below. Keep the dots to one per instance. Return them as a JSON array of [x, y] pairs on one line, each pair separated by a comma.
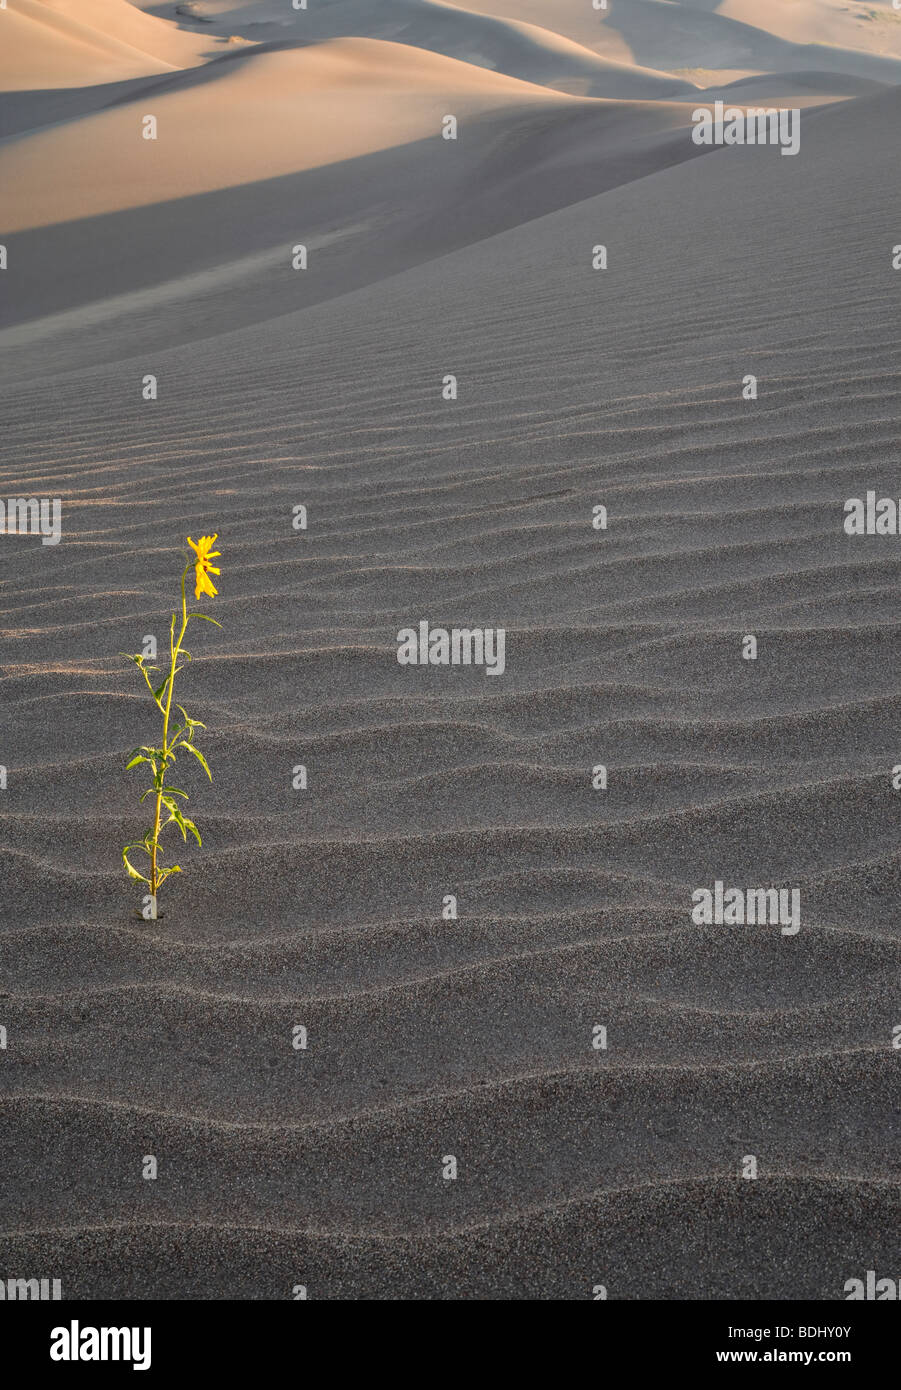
[[162, 38], [470, 1036], [650, 1240], [694, 40], [269, 113], [874, 26], [41, 47], [58, 42], [711, 37], [527, 51], [798, 88], [245, 143], [60, 59]]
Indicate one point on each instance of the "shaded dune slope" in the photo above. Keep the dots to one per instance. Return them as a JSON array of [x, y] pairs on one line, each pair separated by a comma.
[[336, 146], [699, 35]]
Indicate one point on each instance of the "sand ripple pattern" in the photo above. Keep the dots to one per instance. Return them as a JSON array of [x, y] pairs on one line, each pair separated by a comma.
[[323, 908]]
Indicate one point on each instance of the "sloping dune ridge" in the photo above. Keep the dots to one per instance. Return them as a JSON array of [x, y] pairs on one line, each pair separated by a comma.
[[72, 43], [431, 1035], [205, 216]]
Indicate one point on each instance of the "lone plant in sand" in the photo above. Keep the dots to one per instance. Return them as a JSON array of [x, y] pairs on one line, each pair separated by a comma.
[[180, 738]]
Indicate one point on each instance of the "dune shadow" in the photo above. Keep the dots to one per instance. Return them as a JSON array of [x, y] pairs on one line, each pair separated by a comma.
[[363, 220]]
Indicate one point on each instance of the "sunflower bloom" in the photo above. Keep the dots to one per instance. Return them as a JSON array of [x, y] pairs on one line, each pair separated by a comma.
[[202, 567]]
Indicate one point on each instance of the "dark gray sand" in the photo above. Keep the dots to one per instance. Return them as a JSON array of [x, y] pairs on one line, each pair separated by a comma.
[[472, 1038]]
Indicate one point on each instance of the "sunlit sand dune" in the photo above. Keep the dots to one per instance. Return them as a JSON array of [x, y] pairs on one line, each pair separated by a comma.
[[47, 43], [723, 35], [337, 146]]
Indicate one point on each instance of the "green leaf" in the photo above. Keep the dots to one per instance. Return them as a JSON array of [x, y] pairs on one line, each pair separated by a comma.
[[138, 660], [176, 816], [199, 756], [139, 759], [193, 829], [187, 716], [132, 871], [205, 617], [194, 723]]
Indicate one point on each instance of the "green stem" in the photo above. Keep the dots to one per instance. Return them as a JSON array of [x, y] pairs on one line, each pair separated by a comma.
[[173, 659]]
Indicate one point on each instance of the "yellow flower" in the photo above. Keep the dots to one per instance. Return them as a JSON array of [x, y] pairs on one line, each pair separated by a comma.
[[202, 568]]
